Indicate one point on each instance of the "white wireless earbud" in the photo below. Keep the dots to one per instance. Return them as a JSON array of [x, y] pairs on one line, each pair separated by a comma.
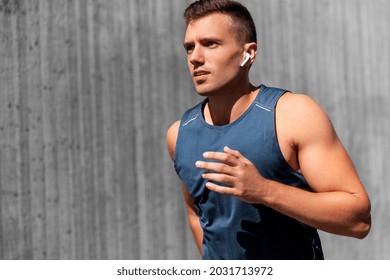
[[247, 56]]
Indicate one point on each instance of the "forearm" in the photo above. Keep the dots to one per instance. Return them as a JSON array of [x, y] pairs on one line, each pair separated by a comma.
[[335, 212]]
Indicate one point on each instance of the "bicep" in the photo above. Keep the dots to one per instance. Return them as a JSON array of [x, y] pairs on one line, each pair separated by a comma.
[[326, 165]]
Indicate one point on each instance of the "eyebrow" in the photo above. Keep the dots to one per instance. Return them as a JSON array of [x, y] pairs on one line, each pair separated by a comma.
[[203, 40], [187, 44]]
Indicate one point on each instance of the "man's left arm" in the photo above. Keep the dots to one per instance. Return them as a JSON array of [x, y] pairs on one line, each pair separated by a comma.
[[338, 202]]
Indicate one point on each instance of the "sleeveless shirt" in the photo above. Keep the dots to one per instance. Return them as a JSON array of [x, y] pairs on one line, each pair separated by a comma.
[[232, 228]]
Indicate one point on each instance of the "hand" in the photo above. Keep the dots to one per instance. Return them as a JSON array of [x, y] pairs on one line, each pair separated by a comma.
[[241, 176]]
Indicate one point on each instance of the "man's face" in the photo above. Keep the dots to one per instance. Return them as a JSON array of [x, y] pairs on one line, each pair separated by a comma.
[[213, 54]]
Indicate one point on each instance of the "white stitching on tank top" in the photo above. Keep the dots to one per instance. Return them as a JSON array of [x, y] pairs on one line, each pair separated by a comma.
[[190, 120], [262, 107]]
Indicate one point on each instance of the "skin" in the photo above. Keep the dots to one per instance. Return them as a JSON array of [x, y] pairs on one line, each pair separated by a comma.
[[337, 202]]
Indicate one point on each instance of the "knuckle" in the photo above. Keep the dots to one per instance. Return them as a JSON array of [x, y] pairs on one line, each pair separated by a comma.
[[223, 178], [224, 157], [241, 192], [223, 168], [240, 173]]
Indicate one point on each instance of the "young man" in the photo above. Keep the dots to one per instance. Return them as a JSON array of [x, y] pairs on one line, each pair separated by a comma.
[[262, 168]]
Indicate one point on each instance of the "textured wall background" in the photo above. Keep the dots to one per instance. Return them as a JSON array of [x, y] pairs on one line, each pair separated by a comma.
[[88, 89]]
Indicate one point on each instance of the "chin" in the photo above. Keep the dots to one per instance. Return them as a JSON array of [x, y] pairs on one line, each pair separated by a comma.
[[202, 91], [205, 91]]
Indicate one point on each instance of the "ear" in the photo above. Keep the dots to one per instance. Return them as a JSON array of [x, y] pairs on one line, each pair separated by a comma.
[[251, 48]]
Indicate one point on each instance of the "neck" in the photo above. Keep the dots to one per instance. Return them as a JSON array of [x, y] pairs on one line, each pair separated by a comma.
[[226, 108]]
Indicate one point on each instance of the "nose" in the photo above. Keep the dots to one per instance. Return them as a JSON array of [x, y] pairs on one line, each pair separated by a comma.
[[196, 57]]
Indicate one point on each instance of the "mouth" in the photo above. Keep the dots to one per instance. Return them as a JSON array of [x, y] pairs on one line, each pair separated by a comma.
[[199, 73]]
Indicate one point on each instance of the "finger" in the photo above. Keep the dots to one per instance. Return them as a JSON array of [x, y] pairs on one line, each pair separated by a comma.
[[219, 178], [221, 156], [214, 166], [219, 189], [232, 152]]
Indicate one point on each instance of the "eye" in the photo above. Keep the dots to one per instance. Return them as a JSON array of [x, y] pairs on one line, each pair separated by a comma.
[[210, 43], [189, 48]]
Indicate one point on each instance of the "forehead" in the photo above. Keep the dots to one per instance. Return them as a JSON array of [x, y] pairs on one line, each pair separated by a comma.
[[213, 25]]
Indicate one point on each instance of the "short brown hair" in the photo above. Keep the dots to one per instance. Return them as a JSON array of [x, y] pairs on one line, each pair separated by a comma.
[[243, 24]]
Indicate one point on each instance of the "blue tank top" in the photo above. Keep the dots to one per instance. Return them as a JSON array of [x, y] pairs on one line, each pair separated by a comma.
[[234, 229]]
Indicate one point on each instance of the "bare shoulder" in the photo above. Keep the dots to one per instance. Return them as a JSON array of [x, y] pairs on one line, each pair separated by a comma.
[[299, 105], [300, 116], [171, 138]]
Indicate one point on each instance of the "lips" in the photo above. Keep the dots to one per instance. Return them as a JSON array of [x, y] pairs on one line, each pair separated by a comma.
[[199, 73]]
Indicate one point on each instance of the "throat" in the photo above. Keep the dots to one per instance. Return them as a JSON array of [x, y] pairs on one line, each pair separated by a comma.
[[223, 111]]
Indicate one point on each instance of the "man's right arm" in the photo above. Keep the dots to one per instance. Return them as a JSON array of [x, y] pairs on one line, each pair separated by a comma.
[[193, 219], [192, 213]]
